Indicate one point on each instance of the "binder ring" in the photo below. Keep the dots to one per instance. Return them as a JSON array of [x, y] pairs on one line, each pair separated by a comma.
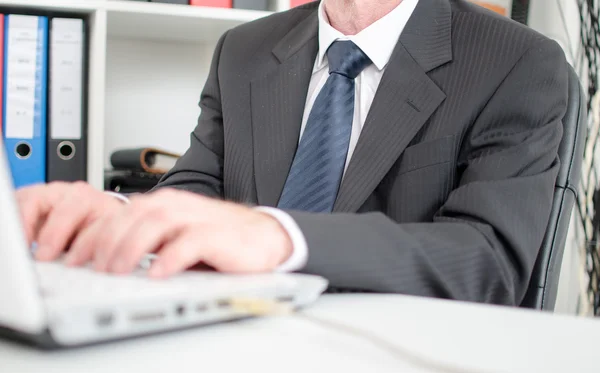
[[65, 150], [23, 150]]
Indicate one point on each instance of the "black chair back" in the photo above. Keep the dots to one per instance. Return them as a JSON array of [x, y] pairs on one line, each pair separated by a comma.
[[543, 286]]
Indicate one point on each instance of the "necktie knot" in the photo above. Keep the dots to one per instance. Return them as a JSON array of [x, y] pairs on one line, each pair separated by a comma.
[[346, 58]]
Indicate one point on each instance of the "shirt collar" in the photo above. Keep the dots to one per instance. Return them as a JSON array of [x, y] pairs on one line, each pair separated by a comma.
[[377, 41]]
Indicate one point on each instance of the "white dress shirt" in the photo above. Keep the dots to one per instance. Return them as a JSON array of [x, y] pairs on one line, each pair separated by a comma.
[[378, 42]]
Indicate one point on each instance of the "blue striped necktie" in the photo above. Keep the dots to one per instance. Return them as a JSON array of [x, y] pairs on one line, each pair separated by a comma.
[[314, 179]]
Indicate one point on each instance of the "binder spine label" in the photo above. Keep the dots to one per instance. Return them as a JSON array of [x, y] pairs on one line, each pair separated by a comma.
[[66, 69], [23, 69]]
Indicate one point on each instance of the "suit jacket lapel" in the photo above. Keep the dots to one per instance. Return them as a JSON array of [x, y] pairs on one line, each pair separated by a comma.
[[405, 99], [278, 100]]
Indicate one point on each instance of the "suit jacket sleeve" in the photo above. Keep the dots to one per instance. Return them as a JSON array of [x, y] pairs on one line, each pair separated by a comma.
[[483, 242], [200, 169]]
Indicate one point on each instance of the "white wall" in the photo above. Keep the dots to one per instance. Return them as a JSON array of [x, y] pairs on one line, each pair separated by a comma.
[[545, 16], [147, 108]]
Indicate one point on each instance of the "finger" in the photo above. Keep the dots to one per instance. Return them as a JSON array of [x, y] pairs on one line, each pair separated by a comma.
[[34, 204], [63, 221], [32, 211], [81, 250], [145, 236], [106, 244], [107, 237], [183, 251]]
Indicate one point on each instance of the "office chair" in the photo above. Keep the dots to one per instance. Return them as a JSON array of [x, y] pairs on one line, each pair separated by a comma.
[[543, 285]]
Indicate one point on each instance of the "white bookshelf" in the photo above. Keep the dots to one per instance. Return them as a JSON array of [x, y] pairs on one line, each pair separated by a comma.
[[147, 65]]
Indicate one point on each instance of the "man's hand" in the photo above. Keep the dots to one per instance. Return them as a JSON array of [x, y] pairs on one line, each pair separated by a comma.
[[54, 213], [184, 229]]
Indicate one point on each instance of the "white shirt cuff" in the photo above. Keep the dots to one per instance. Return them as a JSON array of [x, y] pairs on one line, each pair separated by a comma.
[[299, 255], [118, 196]]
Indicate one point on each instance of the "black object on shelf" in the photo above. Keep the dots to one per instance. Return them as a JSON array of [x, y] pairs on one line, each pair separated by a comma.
[[129, 181], [182, 2], [146, 159], [251, 4], [520, 11]]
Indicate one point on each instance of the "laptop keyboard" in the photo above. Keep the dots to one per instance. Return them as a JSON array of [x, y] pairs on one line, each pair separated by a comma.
[[58, 279]]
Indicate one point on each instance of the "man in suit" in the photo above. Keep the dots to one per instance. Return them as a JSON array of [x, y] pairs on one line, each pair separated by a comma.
[[407, 146]]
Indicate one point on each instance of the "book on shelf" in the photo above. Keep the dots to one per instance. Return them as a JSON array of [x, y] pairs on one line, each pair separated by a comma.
[[237, 4], [295, 3], [502, 7], [251, 4], [182, 2], [212, 3]]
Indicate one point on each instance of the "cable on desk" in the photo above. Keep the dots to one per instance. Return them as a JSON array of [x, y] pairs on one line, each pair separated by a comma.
[[260, 307]]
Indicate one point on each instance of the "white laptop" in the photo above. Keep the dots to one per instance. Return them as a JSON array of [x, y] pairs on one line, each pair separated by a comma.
[[51, 305]]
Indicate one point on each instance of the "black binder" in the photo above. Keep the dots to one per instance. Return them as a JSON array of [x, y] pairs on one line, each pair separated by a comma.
[[67, 100]]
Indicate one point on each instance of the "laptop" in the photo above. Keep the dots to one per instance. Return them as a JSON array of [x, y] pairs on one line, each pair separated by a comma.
[[54, 306]]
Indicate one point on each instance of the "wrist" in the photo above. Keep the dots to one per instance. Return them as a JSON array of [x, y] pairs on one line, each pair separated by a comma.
[[278, 239], [299, 256]]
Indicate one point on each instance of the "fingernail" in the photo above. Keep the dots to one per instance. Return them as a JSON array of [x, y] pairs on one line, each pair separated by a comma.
[[157, 270]]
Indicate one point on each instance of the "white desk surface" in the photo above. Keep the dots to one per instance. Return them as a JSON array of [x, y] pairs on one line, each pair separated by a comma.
[[475, 338]]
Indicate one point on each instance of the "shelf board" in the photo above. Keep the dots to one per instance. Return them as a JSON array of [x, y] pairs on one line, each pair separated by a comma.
[[153, 21], [75, 6], [172, 22]]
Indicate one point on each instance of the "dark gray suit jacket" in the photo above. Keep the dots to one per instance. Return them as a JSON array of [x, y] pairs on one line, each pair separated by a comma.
[[449, 190]]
